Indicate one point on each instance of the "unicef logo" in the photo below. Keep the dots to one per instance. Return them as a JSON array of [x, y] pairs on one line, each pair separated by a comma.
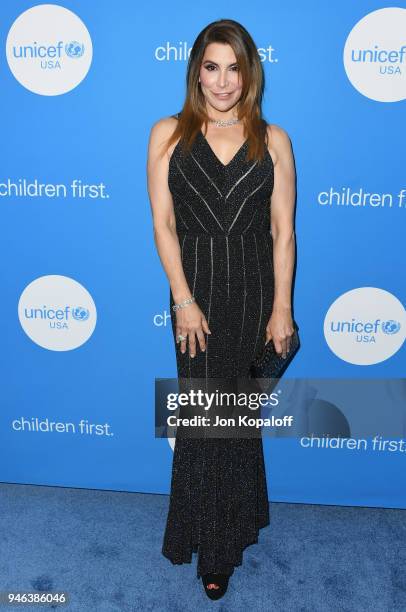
[[375, 55], [40, 47], [80, 314], [365, 326], [391, 327], [74, 49], [47, 318]]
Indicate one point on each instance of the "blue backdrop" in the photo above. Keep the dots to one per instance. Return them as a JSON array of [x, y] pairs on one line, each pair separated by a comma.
[[85, 323]]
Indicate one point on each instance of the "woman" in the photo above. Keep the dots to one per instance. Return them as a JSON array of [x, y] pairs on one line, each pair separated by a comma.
[[222, 202]]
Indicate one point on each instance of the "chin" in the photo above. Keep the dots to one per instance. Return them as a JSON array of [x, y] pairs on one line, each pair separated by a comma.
[[223, 105]]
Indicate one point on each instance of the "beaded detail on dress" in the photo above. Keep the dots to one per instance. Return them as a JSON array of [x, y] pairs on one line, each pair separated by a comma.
[[218, 500]]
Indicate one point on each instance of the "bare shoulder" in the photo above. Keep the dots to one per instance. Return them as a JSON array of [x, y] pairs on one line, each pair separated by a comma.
[[160, 132], [279, 144], [164, 127]]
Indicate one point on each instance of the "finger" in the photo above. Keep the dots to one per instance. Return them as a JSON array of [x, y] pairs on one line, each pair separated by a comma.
[[278, 346], [205, 326], [179, 332], [201, 340], [192, 343], [183, 333]]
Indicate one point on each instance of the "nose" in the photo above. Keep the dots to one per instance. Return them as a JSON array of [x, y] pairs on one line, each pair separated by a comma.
[[223, 80]]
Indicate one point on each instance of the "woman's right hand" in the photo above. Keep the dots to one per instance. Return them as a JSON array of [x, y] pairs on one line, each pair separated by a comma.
[[191, 323]]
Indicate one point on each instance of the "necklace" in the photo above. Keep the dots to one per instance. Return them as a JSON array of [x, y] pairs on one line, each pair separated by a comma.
[[224, 122]]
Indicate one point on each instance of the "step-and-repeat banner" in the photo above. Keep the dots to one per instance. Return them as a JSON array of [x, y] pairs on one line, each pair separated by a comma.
[[85, 323]]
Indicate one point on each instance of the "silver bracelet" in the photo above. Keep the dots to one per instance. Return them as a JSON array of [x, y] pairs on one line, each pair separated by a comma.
[[184, 303]]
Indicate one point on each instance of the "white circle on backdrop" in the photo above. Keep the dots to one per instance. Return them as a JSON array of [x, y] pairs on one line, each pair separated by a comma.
[[375, 55], [365, 326], [57, 313], [49, 49]]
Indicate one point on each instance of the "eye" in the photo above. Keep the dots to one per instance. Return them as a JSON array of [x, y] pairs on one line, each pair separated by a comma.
[[211, 67]]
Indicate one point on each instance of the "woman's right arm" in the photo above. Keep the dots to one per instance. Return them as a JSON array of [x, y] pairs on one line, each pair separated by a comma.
[[190, 319]]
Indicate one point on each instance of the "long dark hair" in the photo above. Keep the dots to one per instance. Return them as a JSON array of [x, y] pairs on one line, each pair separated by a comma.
[[193, 113]]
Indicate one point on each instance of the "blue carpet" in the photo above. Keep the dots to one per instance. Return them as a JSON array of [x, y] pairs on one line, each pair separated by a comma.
[[104, 549]]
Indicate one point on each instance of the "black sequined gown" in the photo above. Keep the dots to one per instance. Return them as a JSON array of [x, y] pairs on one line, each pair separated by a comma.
[[218, 500]]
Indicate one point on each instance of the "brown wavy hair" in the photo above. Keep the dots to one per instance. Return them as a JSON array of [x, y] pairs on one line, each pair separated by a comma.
[[193, 113]]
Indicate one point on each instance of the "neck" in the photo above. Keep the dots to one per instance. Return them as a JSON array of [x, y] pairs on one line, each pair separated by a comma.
[[217, 115]]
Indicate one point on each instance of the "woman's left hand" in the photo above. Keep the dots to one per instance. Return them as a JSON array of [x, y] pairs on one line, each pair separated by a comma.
[[280, 329]]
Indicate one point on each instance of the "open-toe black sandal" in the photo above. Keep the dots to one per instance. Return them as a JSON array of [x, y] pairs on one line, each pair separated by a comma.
[[222, 582]]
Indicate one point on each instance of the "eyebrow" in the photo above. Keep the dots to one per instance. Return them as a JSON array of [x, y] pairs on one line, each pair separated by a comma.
[[211, 62]]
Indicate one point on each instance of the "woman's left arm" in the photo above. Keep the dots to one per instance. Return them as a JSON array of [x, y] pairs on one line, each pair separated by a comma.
[[280, 326]]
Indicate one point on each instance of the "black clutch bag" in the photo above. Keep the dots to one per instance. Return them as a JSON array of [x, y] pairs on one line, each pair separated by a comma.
[[269, 364]]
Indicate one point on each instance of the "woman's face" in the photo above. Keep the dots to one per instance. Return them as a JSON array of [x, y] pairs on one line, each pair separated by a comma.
[[220, 79]]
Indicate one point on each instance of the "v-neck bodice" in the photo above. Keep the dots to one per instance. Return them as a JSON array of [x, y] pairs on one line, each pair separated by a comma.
[[213, 198], [235, 156]]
